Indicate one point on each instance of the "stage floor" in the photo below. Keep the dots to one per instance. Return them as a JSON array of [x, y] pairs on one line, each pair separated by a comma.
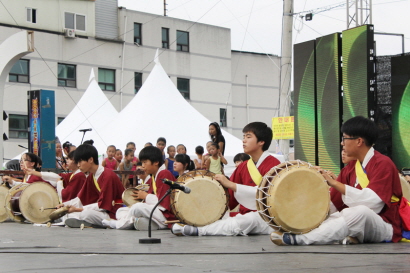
[[26, 248]]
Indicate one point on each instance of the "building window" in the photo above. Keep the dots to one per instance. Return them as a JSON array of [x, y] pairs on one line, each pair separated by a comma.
[[183, 87], [222, 117], [138, 33], [20, 72], [31, 15], [74, 21], [165, 38], [106, 79], [18, 126], [137, 82], [59, 120], [66, 75], [182, 41]]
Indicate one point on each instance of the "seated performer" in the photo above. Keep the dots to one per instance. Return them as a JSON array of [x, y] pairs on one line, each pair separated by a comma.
[[28, 163], [366, 195], [101, 194], [152, 163], [242, 188], [72, 183]]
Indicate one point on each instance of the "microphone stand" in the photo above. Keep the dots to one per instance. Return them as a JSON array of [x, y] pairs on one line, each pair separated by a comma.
[[150, 240], [83, 136]]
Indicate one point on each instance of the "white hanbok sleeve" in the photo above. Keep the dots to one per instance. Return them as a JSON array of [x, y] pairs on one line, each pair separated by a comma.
[[50, 177], [246, 196], [151, 199], [76, 202], [367, 197]]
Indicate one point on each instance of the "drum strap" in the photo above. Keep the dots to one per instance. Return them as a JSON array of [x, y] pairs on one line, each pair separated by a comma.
[[254, 172], [364, 180], [154, 185], [96, 184]]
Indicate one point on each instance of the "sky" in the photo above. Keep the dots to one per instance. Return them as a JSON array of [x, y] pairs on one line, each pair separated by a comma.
[[256, 25]]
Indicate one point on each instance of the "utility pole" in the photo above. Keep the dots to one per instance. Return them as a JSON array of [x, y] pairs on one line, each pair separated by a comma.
[[165, 7], [285, 69]]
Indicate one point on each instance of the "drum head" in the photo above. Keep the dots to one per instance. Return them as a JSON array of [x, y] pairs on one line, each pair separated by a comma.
[[128, 199], [297, 198], [35, 198], [11, 193], [405, 187], [206, 203], [3, 212]]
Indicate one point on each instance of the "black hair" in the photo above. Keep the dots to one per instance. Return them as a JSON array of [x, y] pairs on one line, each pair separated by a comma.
[[215, 144], [361, 127], [149, 143], [169, 147], [89, 142], [130, 143], [218, 131], [152, 154], [139, 163], [199, 150], [182, 146], [241, 157], [67, 144], [85, 152], [113, 146], [162, 139], [261, 131], [36, 160], [118, 150], [128, 151], [71, 155], [186, 161]]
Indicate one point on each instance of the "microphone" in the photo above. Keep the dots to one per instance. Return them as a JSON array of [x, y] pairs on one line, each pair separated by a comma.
[[176, 186], [85, 130]]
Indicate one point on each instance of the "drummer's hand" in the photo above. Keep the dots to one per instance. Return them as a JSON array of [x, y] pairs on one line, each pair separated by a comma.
[[331, 174], [407, 178], [328, 179], [225, 182], [72, 209], [139, 194], [7, 179], [60, 206]]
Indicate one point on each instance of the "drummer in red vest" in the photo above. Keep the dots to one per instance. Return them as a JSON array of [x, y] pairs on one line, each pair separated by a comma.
[[101, 194], [365, 196], [28, 161], [138, 215], [257, 137]]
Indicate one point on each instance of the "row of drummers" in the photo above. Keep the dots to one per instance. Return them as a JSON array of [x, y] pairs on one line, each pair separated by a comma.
[[34, 196], [38, 194]]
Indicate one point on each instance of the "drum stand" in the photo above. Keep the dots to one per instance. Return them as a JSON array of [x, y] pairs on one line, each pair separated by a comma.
[[150, 240]]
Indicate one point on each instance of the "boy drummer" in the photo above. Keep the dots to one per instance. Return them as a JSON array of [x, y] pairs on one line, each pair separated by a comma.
[[101, 194], [138, 215], [257, 137]]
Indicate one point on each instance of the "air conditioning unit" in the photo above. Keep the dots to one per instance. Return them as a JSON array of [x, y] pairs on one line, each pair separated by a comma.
[[69, 33]]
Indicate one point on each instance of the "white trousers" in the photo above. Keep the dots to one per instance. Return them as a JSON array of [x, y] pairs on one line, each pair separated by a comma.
[[241, 224], [126, 216], [91, 213], [360, 222]]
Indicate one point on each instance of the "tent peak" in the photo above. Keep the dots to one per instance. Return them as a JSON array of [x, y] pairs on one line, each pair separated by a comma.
[[92, 75], [156, 58]]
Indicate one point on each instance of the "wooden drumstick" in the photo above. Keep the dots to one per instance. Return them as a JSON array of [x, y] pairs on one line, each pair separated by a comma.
[[172, 222]]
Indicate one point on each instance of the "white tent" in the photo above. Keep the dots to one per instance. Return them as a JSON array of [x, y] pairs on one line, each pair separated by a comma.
[[159, 110], [93, 111]]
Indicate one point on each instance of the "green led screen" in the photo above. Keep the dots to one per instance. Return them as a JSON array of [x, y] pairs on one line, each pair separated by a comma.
[[400, 70], [328, 85], [304, 102], [358, 71]]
